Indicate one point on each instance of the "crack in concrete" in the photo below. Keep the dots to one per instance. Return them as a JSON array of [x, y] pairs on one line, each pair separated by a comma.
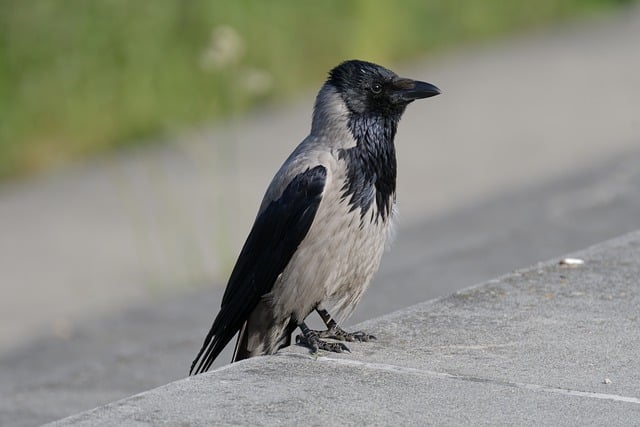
[[515, 384]]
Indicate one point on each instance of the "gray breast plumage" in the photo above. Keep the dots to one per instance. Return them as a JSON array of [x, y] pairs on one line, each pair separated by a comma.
[[337, 259]]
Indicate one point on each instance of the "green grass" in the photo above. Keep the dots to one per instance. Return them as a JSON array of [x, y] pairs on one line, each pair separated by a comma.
[[78, 77]]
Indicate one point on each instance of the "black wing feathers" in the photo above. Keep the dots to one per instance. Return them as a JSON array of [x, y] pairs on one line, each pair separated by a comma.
[[275, 236]]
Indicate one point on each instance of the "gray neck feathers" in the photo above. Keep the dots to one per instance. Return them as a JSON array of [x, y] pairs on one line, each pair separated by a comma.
[[330, 115], [365, 142]]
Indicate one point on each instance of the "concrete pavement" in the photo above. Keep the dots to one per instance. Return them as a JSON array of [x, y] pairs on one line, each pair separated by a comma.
[[548, 345]]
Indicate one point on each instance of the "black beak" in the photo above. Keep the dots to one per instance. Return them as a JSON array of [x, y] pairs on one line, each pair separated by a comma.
[[408, 90]]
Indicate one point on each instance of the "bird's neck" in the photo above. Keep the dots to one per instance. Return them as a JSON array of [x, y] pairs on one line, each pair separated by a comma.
[[371, 164]]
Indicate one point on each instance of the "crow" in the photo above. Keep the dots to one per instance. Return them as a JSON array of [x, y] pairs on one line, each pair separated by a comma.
[[321, 229]]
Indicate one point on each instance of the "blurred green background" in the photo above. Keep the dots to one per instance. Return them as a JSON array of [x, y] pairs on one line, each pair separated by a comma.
[[80, 77]]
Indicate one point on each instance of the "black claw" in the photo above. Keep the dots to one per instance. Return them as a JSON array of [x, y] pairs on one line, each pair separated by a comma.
[[338, 333], [313, 342]]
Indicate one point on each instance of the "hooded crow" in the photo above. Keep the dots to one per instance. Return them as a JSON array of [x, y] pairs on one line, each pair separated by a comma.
[[321, 229]]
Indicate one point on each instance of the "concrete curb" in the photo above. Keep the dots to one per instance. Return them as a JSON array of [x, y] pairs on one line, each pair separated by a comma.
[[550, 345]]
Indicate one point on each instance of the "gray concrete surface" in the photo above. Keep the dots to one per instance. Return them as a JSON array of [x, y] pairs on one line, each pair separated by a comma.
[[153, 222], [547, 345], [128, 351]]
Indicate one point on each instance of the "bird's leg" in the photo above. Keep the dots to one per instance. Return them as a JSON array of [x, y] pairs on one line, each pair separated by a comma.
[[310, 338], [336, 332]]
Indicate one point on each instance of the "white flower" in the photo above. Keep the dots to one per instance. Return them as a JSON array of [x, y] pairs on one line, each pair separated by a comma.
[[226, 48]]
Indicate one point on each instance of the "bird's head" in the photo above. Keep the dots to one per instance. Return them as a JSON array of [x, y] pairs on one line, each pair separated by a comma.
[[371, 89]]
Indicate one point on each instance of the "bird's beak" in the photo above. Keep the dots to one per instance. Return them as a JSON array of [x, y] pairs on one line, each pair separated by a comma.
[[409, 90]]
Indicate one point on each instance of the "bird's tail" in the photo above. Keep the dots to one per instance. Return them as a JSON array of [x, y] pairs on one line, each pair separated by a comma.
[[224, 328], [260, 335], [213, 344], [257, 339], [241, 351]]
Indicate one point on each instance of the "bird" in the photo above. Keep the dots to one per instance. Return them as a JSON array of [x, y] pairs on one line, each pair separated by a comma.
[[323, 224]]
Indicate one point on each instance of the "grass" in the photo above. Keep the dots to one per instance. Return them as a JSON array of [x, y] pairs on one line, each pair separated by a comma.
[[80, 77]]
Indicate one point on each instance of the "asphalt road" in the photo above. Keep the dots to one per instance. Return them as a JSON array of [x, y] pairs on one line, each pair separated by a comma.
[[111, 272]]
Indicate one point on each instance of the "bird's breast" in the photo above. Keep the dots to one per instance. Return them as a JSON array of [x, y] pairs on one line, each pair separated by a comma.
[[339, 256]]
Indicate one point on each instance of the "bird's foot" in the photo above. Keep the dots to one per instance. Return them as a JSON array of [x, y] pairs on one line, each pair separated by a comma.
[[337, 333], [312, 340]]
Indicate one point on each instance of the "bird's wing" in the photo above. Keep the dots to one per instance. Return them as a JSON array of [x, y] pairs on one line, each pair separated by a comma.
[[275, 236]]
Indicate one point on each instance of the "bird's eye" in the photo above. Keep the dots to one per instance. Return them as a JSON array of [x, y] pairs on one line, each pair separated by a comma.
[[376, 88]]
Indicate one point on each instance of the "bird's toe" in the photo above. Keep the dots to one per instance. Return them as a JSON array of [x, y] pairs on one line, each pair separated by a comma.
[[314, 343], [342, 335], [335, 347], [362, 336]]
